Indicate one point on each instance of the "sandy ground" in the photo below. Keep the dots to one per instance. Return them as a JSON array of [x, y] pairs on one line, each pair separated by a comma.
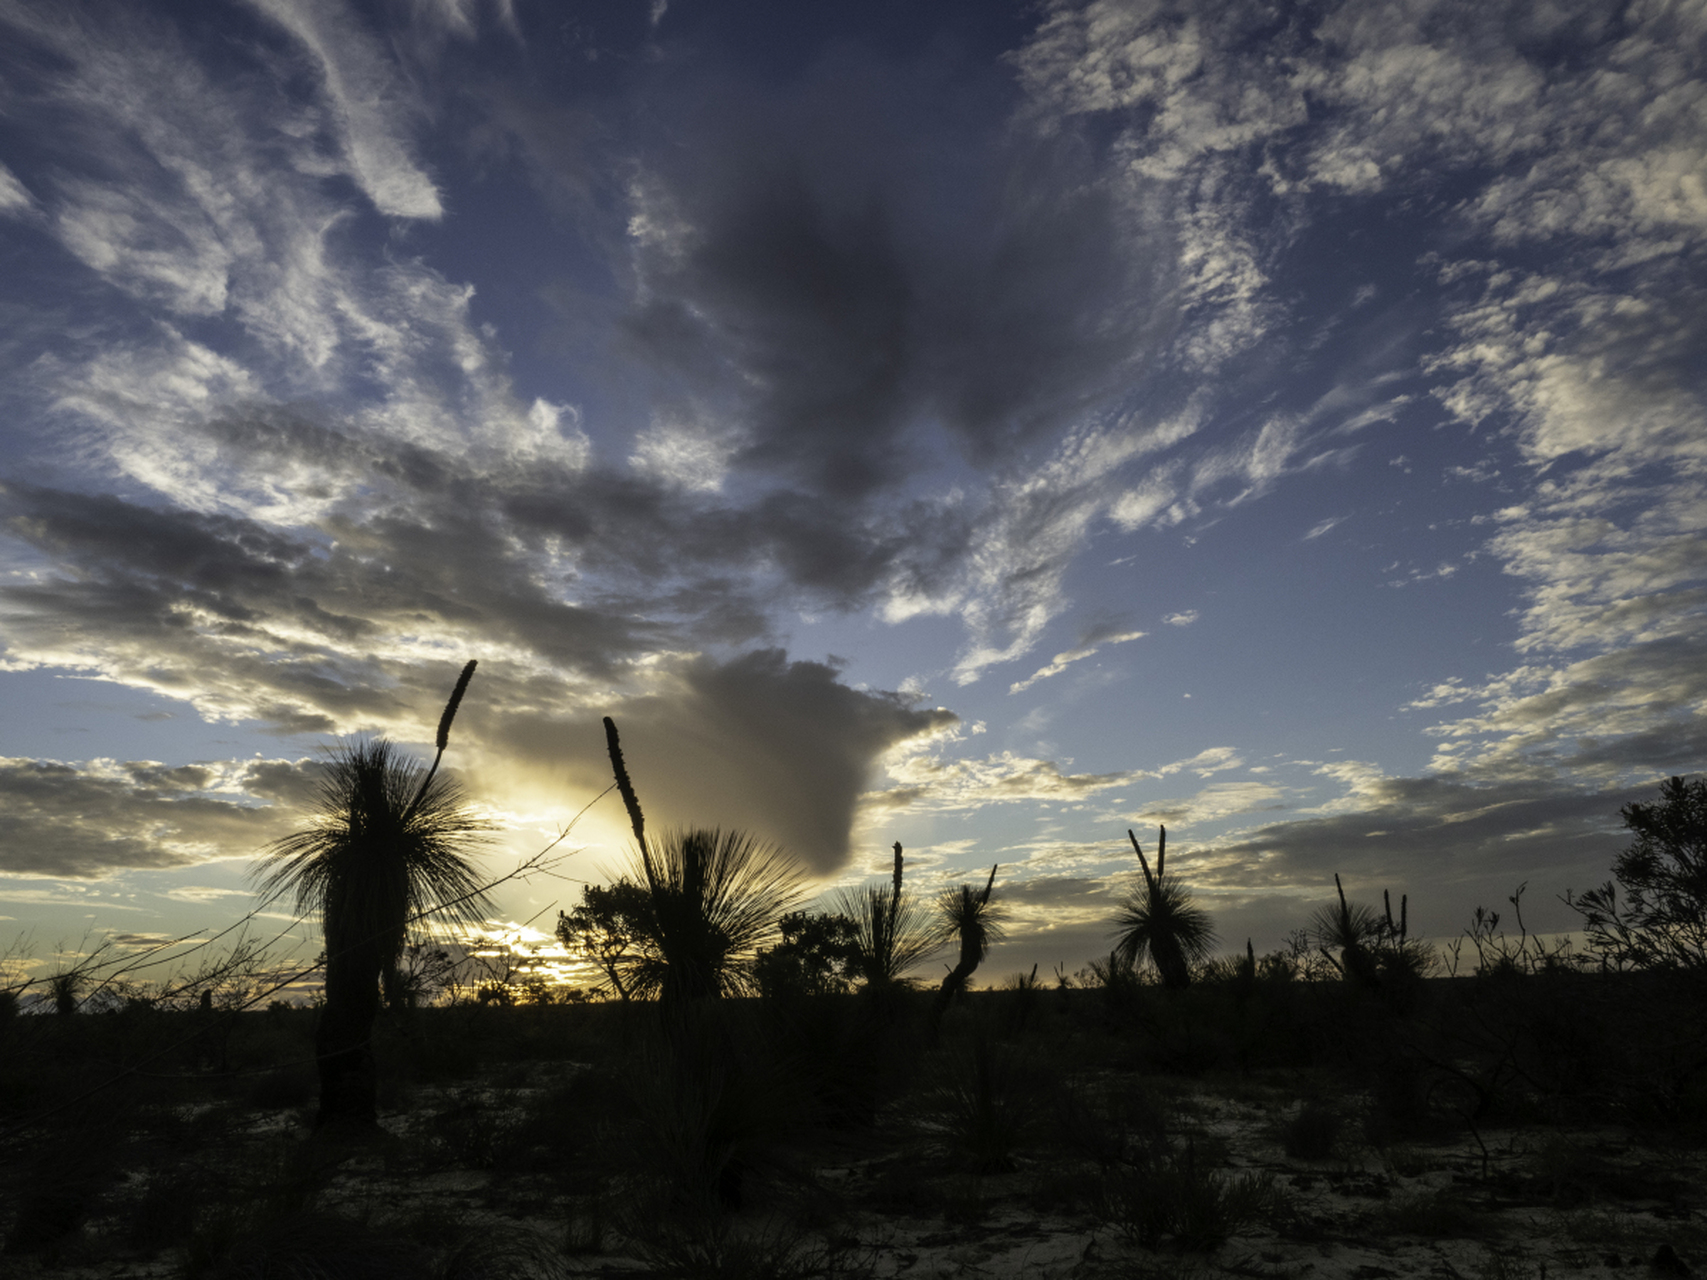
[[1516, 1204]]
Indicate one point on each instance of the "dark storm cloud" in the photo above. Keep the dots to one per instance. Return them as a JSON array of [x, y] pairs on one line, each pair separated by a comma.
[[291, 627], [781, 748], [835, 275]]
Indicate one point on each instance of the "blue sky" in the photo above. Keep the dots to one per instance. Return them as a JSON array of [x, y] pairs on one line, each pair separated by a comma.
[[988, 427]]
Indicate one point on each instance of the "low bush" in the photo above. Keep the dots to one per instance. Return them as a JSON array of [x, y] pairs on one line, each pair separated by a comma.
[[706, 1106], [1108, 1127], [296, 1085], [308, 1246], [506, 1252], [715, 1249], [1175, 1197], [986, 1104]]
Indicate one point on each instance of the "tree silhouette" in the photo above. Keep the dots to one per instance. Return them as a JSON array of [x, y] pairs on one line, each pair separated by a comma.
[[1662, 921], [1158, 919], [818, 956], [1353, 930], [966, 913], [893, 931], [713, 898], [607, 928], [388, 844]]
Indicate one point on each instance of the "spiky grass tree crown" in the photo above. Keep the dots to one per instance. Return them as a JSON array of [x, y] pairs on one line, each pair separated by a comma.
[[1158, 919], [1159, 915], [714, 898], [967, 913], [893, 931], [1345, 924], [387, 844]]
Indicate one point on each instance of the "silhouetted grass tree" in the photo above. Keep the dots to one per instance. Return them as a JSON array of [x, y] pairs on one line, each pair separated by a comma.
[[893, 931], [966, 913], [714, 898], [1662, 921], [389, 844], [1376, 952], [66, 992], [1353, 930], [1159, 919]]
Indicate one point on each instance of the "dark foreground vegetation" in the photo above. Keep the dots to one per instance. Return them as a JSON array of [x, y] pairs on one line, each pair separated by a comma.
[[766, 1095], [1545, 1118]]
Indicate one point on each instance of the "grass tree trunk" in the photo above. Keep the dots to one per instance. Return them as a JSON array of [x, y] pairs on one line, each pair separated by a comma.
[[343, 1042], [967, 911], [1170, 963], [955, 980]]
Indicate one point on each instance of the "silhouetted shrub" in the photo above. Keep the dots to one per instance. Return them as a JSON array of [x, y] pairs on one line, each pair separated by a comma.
[[1130, 1123], [1400, 1102], [1662, 921], [847, 1053], [705, 1105], [55, 1197], [1018, 1003], [164, 1215], [1176, 1197], [1121, 989], [986, 1103], [716, 1249], [1436, 1214]]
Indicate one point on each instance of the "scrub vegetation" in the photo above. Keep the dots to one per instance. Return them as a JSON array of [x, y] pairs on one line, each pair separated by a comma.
[[756, 1089]]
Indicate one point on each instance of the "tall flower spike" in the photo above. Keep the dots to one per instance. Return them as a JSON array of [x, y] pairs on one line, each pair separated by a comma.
[[1143, 865], [455, 702], [442, 739], [895, 893], [630, 801]]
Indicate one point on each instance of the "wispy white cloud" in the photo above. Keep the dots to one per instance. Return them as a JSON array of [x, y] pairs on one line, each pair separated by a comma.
[[689, 454], [370, 101], [15, 199], [1585, 358], [1322, 526], [1061, 661], [1208, 761], [1216, 801], [926, 781]]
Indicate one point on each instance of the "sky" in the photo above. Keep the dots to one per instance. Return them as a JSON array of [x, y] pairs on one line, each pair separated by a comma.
[[983, 426]]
